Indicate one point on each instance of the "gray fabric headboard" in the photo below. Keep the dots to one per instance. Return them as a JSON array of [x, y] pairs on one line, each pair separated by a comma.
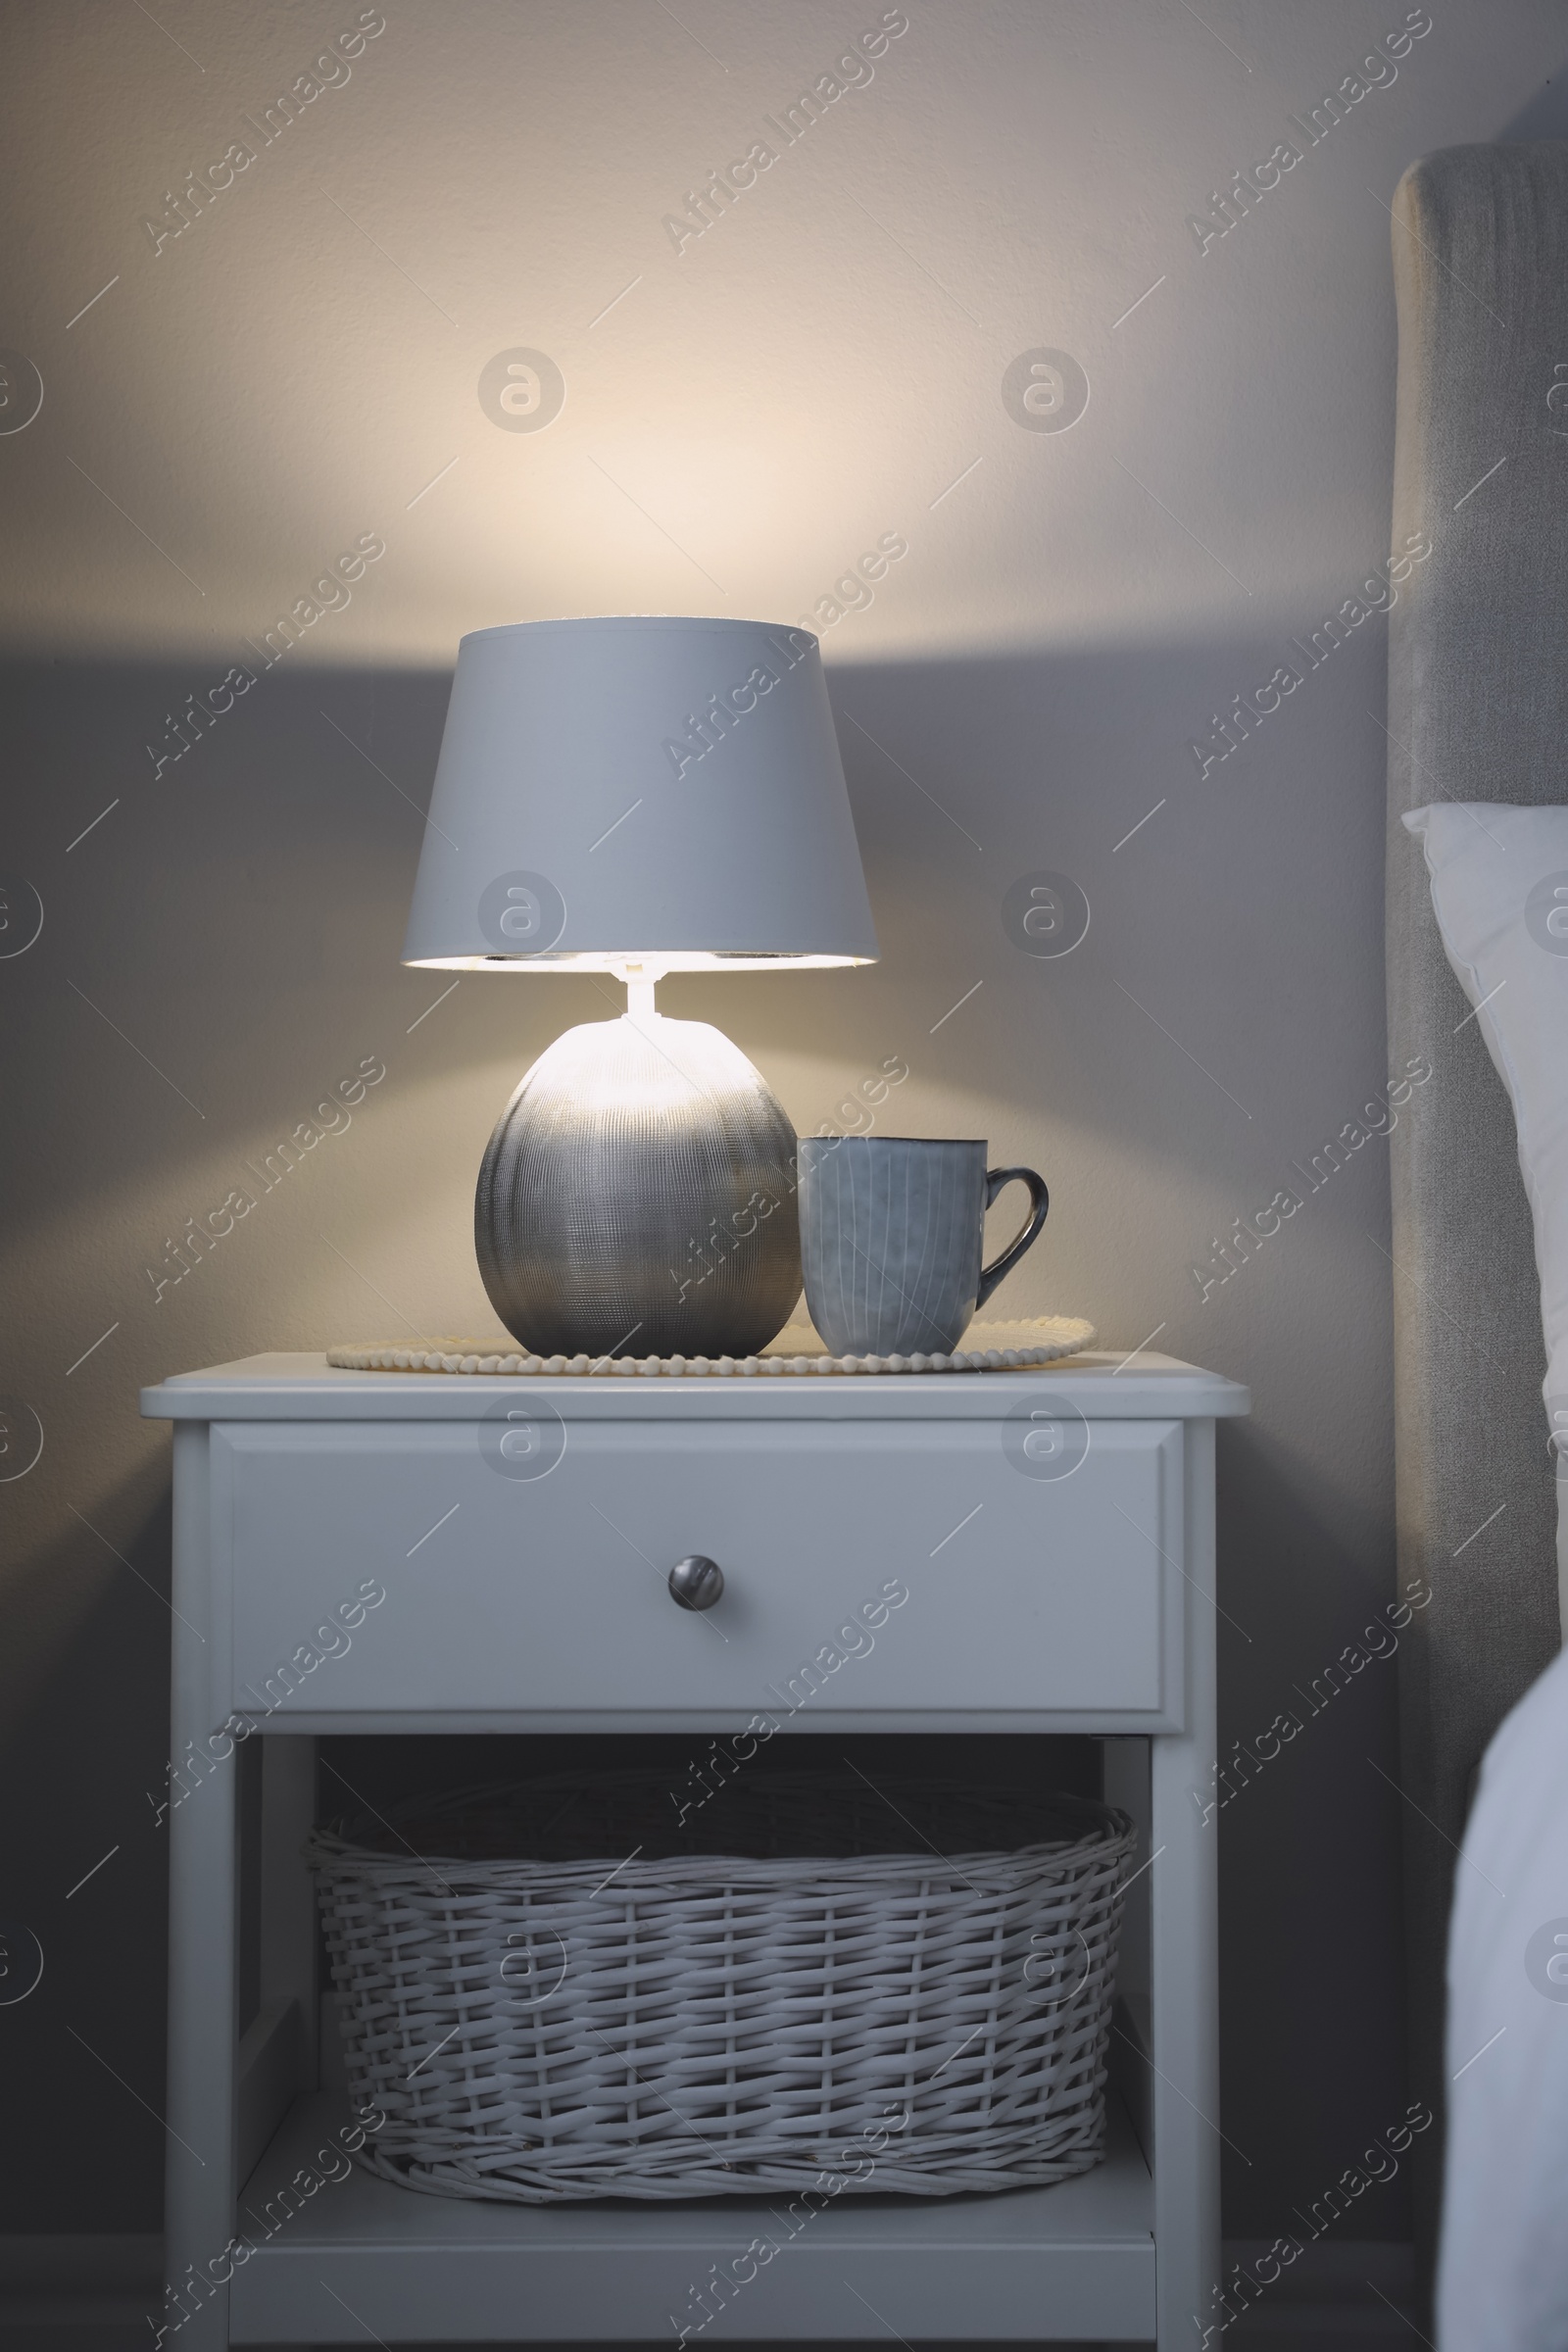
[[1478, 711]]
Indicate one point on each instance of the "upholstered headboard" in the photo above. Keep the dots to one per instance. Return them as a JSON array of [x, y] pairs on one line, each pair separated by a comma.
[[1478, 711]]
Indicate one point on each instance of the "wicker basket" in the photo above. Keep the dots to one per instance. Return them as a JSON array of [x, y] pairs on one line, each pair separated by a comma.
[[810, 1976]]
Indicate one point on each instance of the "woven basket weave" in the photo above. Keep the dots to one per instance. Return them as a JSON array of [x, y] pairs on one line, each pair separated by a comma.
[[726, 2007]]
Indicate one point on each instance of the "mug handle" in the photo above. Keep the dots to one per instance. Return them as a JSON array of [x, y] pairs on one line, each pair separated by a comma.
[[1040, 1206]]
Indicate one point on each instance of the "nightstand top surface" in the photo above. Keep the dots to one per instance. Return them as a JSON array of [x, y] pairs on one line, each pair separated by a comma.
[[1102, 1386]]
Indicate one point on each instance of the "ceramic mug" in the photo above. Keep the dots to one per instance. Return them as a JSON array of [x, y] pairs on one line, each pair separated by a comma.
[[892, 1234]]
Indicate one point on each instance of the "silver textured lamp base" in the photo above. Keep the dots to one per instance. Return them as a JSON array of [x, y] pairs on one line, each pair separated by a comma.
[[638, 1197]]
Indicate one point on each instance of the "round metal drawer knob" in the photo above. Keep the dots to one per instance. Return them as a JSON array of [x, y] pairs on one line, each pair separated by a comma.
[[696, 1582]]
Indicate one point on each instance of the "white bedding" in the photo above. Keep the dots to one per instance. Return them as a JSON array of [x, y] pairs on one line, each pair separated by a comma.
[[1502, 2276]]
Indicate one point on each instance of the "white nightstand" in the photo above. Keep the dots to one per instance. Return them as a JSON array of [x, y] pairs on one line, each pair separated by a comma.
[[1056, 1532]]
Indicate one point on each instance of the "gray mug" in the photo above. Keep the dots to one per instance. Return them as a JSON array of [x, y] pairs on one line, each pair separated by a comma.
[[891, 1232]]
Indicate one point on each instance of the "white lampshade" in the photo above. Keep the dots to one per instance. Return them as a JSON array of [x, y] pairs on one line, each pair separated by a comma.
[[640, 789]]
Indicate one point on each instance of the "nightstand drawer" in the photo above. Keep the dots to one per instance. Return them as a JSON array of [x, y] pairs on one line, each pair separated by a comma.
[[953, 1568]]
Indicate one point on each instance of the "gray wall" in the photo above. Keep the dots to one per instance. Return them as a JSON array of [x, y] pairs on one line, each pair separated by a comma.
[[250, 397]]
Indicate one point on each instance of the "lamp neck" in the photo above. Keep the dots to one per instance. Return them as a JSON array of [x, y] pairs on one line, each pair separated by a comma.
[[640, 975], [640, 1008]]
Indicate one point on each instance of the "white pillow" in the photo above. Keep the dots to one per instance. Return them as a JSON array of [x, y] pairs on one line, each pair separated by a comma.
[[1500, 886]]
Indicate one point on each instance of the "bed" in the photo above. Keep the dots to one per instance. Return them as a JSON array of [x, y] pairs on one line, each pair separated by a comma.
[[1478, 711]]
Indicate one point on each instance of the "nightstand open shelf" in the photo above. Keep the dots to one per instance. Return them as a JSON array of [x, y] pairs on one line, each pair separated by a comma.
[[364, 2254], [1048, 1592]]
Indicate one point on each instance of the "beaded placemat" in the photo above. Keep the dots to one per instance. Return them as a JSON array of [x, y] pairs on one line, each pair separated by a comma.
[[988, 1347]]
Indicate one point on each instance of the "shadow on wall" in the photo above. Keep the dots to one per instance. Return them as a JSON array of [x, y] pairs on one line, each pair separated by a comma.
[[1547, 114], [217, 975]]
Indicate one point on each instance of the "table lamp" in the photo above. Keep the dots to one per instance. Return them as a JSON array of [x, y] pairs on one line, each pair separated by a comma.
[[638, 797]]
